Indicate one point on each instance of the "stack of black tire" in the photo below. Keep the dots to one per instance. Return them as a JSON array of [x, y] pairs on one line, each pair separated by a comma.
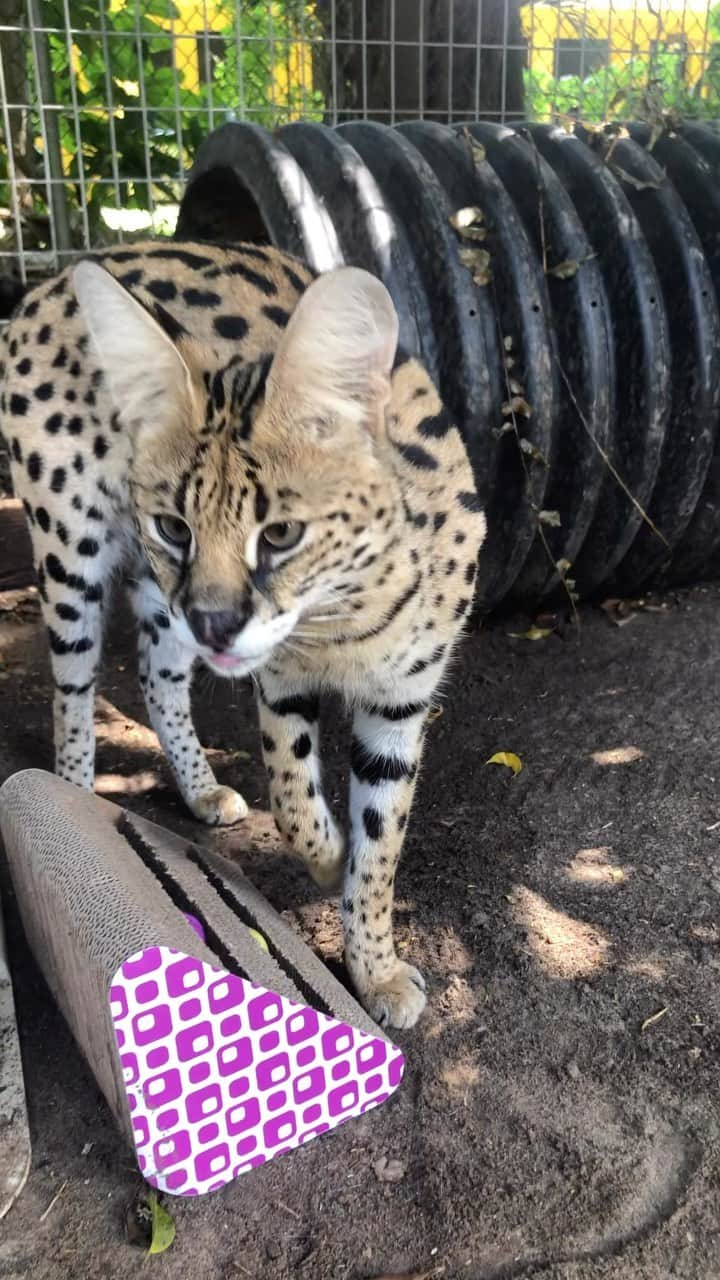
[[570, 317]]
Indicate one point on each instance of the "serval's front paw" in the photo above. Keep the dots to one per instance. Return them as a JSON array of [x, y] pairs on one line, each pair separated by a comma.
[[396, 1001], [220, 807]]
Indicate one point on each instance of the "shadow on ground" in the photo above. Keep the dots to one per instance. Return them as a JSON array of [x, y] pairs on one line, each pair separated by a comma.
[[541, 1129]]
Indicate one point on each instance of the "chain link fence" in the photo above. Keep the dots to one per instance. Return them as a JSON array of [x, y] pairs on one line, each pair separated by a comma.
[[103, 104]]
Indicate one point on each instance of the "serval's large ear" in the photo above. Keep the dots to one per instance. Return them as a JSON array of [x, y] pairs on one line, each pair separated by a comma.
[[148, 380], [337, 352]]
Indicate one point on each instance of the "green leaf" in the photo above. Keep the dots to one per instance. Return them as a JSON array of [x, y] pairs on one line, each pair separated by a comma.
[[162, 1226], [259, 939], [508, 759]]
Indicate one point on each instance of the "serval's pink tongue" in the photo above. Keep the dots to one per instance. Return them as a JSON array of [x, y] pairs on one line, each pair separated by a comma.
[[225, 660], [222, 1075]]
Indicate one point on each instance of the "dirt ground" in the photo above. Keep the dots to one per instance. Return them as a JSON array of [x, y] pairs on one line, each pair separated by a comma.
[[541, 1129]]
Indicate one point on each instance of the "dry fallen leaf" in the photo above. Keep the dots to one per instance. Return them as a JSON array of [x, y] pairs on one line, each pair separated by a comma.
[[508, 758], [389, 1170], [518, 404], [504, 430], [618, 611], [550, 517], [465, 217], [478, 262], [468, 223], [564, 270], [532, 633], [477, 149], [533, 452], [654, 1018]]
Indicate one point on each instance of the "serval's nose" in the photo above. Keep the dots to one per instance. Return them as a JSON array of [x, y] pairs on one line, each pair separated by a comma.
[[215, 627]]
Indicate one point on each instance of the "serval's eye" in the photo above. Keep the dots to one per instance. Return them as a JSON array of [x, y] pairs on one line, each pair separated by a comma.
[[173, 530], [283, 537]]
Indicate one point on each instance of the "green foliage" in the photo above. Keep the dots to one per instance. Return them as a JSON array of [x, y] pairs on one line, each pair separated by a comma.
[[645, 87], [137, 125]]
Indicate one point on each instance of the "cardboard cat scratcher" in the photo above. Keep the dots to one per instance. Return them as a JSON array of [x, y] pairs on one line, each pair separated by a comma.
[[15, 1150], [214, 1053]]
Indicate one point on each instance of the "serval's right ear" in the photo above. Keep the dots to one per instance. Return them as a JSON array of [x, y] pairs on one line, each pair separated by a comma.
[[148, 380]]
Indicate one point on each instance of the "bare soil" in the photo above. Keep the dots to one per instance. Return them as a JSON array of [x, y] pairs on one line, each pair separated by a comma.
[[540, 1129]]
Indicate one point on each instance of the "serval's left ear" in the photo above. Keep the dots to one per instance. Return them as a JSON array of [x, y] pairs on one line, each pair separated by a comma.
[[337, 353]]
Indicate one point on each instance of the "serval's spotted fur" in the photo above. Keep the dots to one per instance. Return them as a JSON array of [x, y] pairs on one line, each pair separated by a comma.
[[285, 495]]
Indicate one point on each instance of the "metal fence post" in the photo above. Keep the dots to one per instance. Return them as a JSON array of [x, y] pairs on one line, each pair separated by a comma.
[[60, 222]]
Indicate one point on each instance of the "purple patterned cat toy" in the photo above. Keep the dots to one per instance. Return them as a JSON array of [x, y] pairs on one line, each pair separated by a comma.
[[222, 1075]]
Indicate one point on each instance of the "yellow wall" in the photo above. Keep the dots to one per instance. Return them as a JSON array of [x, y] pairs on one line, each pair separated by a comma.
[[214, 15], [293, 68], [628, 30]]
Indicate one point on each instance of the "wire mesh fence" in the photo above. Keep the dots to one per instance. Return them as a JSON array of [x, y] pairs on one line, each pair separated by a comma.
[[104, 102]]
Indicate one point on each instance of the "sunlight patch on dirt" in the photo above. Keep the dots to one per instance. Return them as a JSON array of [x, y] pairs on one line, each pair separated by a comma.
[[116, 727], [113, 784], [618, 755], [563, 947], [461, 1075]]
